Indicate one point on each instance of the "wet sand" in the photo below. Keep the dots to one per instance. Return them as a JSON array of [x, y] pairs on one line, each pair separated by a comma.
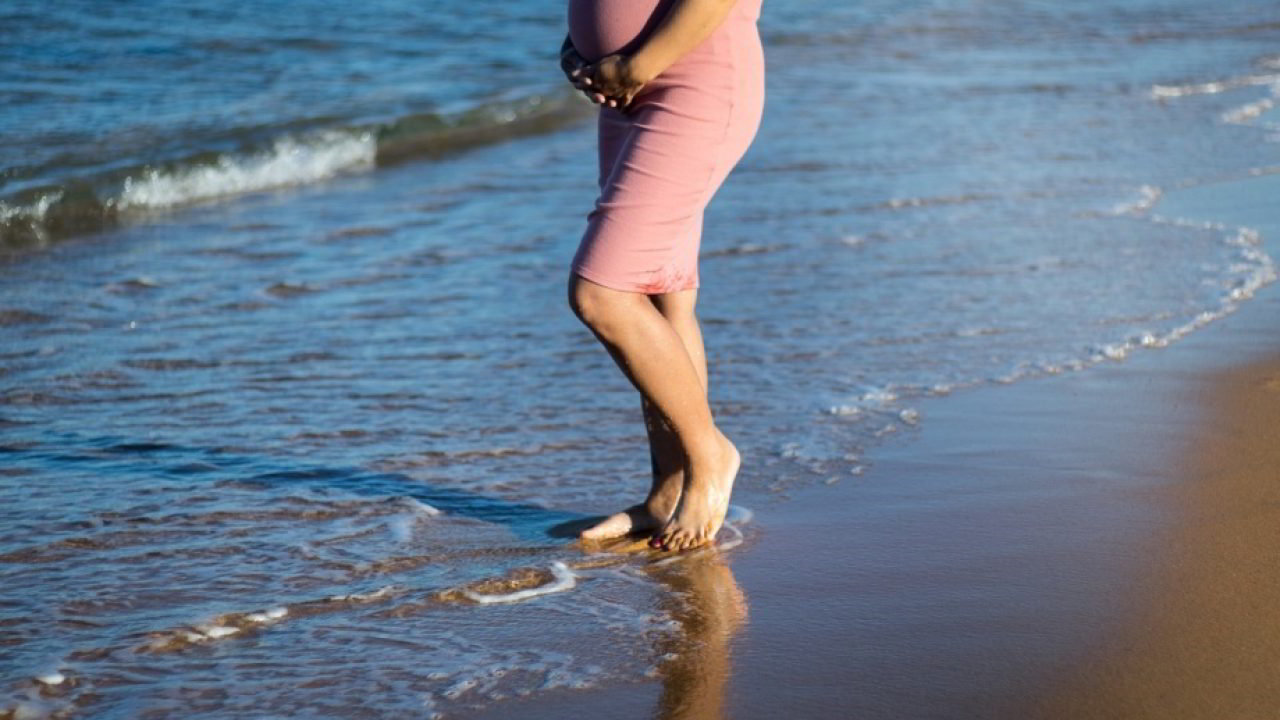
[[1204, 642], [1098, 544]]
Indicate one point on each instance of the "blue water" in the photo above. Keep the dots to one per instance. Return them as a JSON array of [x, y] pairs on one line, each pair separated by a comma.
[[282, 320]]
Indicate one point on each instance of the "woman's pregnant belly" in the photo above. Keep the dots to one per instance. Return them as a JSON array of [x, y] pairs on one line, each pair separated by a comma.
[[603, 27]]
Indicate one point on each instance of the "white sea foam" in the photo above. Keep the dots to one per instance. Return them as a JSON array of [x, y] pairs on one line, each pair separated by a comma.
[[1214, 87], [1253, 270], [33, 214], [290, 161], [378, 594], [34, 211], [736, 517], [1253, 267], [1250, 269], [563, 579], [734, 540], [1148, 196], [267, 615], [53, 678], [1249, 111], [420, 507], [878, 397], [482, 674]]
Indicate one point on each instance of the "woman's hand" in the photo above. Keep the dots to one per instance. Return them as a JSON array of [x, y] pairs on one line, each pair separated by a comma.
[[575, 67], [616, 78], [572, 63]]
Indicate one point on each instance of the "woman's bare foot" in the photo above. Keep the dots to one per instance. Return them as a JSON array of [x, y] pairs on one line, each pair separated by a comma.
[[704, 502], [648, 516], [635, 519], [666, 459]]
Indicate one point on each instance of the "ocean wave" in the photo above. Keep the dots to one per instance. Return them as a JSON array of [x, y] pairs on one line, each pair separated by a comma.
[[289, 161], [93, 203]]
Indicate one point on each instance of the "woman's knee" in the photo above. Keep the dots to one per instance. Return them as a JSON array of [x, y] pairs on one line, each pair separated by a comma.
[[586, 301], [598, 307], [579, 301]]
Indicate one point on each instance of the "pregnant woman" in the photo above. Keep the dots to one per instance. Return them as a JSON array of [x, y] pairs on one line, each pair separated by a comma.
[[681, 89]]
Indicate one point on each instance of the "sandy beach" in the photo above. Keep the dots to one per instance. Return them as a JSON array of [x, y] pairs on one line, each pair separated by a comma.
[[1203, 641], [1088, 545]]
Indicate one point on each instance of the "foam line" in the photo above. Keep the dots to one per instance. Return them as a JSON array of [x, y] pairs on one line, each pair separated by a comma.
[[734, 541], [290, 161], [267, 616], [1212, 88], [364, 597], [564, 580], [418, 506]]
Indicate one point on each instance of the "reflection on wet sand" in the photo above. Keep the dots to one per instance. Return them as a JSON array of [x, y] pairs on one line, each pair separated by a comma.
[[707, 602], [710, 607]]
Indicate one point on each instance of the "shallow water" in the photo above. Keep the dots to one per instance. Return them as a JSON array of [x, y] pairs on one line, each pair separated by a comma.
[[304, 378]]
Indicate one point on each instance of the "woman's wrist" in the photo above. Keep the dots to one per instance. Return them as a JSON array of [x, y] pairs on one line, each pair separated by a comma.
[[642, 67]]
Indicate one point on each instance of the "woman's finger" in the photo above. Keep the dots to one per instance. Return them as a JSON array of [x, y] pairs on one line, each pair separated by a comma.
[[570, 67]]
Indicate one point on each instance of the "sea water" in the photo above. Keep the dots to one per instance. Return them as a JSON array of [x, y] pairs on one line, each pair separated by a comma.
[[290, 398]]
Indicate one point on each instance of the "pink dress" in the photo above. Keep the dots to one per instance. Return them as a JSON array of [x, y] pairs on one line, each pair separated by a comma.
[[663, 159]]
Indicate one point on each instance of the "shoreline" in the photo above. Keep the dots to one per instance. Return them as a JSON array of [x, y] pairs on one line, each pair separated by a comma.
[[295, 435], [1074, 561], [1203, 642], [1028, 552]]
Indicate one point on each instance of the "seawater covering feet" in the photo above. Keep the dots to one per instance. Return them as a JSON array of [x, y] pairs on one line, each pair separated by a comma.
[[645, 517], [704, 502], [635, 519]]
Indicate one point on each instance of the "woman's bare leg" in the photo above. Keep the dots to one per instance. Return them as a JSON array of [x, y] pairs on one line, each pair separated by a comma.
[[666, 456], [652, 355]]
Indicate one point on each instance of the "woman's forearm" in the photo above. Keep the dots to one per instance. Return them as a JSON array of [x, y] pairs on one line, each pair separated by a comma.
[[686, 24]]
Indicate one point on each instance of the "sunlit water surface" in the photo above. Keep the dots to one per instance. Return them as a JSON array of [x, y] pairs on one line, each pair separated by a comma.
[[281, 435]]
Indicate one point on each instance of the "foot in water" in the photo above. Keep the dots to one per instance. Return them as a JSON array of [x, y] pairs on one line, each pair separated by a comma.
[[704, 502], [646, 517]]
